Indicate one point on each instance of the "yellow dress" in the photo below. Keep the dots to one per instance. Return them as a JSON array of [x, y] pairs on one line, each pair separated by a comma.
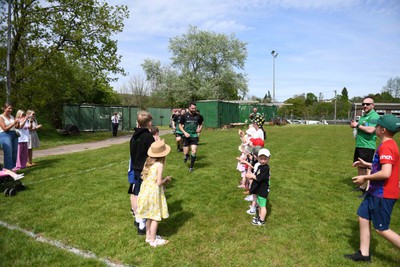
[[152, 203]]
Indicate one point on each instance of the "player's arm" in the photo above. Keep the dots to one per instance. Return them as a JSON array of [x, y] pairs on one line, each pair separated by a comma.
[[383, 174]]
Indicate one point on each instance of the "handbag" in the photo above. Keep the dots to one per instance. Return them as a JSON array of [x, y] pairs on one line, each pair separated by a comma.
[[17, 133]]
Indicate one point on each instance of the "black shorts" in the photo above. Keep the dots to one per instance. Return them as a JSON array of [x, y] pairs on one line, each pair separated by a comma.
[[178, 135], [188, 141], [134, 189], [366, 154]]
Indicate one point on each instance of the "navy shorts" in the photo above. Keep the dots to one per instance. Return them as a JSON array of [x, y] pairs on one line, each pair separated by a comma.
[[378, 210], [134, 189], [366, 154], [190, 141]]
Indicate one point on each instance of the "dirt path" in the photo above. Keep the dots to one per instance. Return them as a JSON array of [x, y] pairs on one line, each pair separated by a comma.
[[83, 146]]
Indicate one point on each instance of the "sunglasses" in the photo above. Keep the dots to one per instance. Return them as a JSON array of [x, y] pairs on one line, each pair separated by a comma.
[[366, 104]]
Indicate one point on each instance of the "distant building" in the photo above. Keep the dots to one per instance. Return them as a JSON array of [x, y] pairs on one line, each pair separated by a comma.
[[380, 108]]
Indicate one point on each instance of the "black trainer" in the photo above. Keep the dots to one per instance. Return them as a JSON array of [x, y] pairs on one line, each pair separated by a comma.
[[358, 189], [358, 257], [185, 159], [363, 194], [141, 231]]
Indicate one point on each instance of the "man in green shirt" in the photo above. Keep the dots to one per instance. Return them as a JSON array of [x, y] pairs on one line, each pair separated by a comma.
[[366, 138]]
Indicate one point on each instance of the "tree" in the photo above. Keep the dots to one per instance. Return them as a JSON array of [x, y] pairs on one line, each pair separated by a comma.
[[393, 87], [77, 33], [345, 95], [207, 64], [80, 29], [138, 90], [311, 99]]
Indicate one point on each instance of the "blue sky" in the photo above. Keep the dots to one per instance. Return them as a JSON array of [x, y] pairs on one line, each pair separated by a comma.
[[323, 45]]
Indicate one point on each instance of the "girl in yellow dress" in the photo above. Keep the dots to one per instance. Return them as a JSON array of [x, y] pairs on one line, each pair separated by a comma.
[[152, 204]]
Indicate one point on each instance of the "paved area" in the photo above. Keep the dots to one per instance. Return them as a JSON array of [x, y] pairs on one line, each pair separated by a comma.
[[61, 150]]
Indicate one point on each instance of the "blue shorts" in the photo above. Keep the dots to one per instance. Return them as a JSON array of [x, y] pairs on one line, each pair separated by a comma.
[[378, 210], [134, 189]]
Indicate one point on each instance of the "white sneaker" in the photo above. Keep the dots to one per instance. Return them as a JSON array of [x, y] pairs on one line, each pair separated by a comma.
[[249, 198], [251, 211]]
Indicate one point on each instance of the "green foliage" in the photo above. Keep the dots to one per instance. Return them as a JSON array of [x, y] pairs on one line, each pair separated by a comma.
[[392, 87], [204, 66], [80, 200], [62, 51]]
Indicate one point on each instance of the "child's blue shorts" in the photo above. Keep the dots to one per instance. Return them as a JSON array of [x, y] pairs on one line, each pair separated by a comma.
[[378, 210]]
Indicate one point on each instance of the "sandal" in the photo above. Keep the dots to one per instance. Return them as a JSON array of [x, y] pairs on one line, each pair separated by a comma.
[[157, 237], [158, 242]]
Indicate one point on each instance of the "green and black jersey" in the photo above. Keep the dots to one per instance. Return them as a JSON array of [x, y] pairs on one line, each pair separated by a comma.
[[191, 122]]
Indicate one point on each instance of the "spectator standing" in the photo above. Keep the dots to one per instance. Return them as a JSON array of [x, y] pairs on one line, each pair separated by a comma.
[[253, 114], [366, 138], [34, 141], [115, 123], [8, 137], [152, 204], [139, 144], [23, 139]]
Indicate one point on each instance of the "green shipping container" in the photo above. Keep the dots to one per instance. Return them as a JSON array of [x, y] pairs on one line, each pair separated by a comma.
[[218, 113]]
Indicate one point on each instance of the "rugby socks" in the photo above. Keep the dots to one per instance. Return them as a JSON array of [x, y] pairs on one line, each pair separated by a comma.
[[192, 160]]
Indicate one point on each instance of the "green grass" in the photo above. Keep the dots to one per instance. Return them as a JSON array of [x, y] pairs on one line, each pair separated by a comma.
[[81, 201]]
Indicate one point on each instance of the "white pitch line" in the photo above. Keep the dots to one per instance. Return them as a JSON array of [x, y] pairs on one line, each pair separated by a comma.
[[81, 253], [76, 173]]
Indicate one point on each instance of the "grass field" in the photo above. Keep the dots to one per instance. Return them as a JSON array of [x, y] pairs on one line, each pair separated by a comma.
[[80, 200]]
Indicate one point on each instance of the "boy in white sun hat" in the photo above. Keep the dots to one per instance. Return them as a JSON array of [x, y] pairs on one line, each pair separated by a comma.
[[260, 185]]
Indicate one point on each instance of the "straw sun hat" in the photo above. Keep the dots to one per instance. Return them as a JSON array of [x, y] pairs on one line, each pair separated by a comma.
[[158, 149]]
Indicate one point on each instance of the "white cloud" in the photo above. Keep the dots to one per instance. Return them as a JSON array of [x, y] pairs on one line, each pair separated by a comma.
[[323, 45]]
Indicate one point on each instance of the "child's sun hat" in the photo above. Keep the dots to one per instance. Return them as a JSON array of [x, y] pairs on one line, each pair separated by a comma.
[[158, 149]]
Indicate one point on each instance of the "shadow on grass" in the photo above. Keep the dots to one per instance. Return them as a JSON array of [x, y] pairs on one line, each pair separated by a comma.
[[349, 183], [178, 217], [269, 209], [46, 163], [354, 241], [354, 238]]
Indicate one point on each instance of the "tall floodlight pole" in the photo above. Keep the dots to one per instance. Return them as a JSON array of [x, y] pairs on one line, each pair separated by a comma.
[[8, 95], [274, 55]]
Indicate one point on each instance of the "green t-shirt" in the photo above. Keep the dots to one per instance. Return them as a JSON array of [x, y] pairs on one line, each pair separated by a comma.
[[366, 140]]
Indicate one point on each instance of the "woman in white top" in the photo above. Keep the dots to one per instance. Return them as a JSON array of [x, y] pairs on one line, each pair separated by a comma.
[[8, 137]]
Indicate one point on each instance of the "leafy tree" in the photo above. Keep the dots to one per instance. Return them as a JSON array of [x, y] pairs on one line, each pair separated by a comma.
[[311, 99], [297, 109], [345, 95], [207, 62], [393, 87], [76, 33]]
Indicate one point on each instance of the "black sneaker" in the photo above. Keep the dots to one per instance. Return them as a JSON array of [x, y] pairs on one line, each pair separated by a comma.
[[258, 223], [358, 189], [141, 231], [358, 257], [362, 195], [255, 219]]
